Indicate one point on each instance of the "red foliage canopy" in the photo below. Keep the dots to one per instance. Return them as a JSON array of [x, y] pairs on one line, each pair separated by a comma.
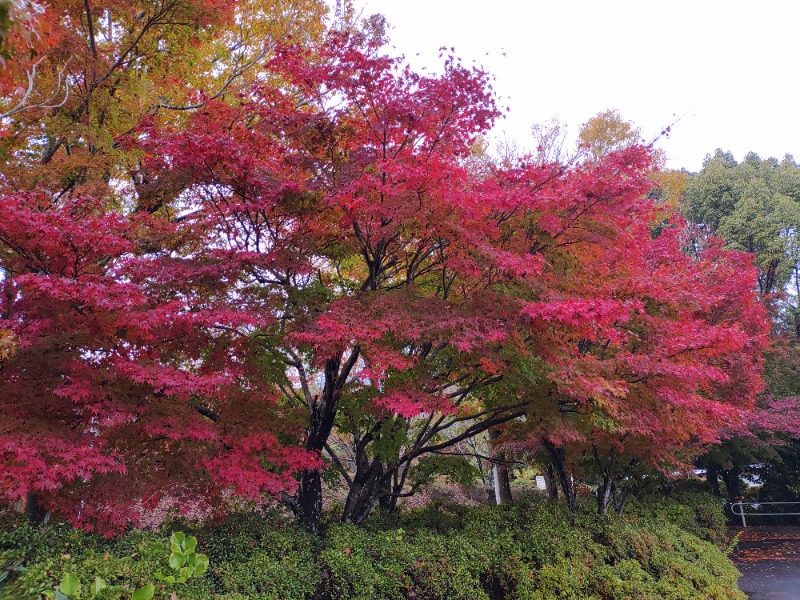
[[321, 243]]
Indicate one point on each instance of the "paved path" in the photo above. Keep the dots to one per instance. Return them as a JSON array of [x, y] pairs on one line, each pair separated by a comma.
[[769, 559]]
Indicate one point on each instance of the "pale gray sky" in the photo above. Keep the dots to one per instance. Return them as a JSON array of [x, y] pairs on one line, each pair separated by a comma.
[[730, 68]]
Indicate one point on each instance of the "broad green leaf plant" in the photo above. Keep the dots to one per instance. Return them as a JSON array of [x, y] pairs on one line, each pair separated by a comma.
[[183, 560]]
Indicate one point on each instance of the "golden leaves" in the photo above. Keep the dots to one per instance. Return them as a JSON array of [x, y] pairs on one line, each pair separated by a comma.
[[7, 346]]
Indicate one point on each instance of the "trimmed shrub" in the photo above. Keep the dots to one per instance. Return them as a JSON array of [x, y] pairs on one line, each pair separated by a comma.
[[534, 550]]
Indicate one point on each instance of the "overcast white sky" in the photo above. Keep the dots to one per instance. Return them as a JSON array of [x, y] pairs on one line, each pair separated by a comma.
[[729, 68]]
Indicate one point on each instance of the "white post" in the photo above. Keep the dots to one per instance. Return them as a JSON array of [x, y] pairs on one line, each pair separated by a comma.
[[741, 507]]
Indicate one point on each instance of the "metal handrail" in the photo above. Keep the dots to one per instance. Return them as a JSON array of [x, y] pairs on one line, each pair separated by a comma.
[[761, 514]]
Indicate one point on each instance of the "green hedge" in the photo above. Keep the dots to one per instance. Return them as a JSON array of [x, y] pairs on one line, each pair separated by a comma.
[[689, 507], [535, 550]]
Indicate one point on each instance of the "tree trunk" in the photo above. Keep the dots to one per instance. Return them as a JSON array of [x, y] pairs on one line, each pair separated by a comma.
[[388, 503], [502, 484], [481, 470], [619, 502], [712, 477], [500, 478], [399, 475], [322, 417], [559, 458], [32, 508], [604, 494], [733, 484], [310, 500], [360, 503], [550, 481], [368, 487]]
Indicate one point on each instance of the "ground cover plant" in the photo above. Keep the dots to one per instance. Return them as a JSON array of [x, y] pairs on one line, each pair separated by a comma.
[[668, 548]]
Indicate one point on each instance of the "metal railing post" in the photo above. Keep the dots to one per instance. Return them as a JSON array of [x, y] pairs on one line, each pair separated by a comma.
[[757, 505]]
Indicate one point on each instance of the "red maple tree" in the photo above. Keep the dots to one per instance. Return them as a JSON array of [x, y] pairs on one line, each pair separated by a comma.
[[113, 367], [645, 351], [314, 255]]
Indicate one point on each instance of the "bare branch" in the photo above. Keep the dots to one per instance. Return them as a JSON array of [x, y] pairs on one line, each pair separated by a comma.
[[468, 433], [344, 372], [490, 459], [303, 376], [224, 88], [91, 31], [24, 105], [339, 464]]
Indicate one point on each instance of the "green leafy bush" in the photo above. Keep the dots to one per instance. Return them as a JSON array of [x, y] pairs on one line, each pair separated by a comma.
[[690, 508], [533, 550]]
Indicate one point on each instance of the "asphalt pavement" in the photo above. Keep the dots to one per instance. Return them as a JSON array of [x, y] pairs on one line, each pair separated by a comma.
[[769, 559]]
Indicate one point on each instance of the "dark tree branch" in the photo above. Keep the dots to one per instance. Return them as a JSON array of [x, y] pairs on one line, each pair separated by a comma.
[[206, 412], [91, 32], [471, 432], [339, 464]]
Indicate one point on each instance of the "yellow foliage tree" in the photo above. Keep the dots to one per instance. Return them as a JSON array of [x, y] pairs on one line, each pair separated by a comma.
[[605, 132], [106, 67]]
